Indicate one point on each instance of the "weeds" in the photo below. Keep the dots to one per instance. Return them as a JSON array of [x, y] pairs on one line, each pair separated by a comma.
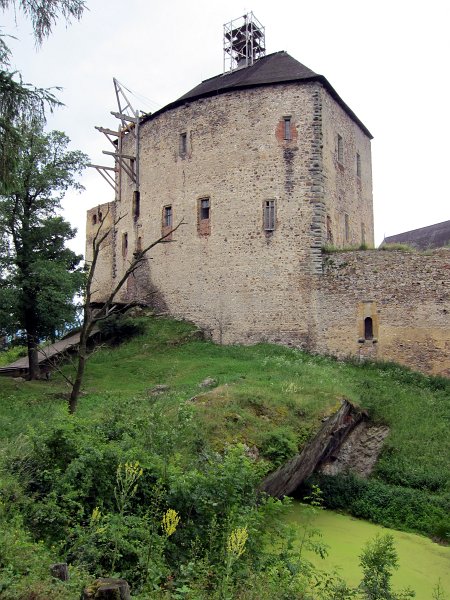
[[100, 487]]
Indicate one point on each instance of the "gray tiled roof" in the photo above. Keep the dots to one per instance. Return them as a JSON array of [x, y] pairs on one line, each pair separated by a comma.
[[433, 236], [272, 69]]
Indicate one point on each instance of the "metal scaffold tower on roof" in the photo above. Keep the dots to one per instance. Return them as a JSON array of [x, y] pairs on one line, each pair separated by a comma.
[[244, 41]]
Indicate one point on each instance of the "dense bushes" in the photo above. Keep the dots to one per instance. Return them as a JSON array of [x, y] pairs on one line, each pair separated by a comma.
[[61, 477], [109, 498], [97, 493], [279, 445]]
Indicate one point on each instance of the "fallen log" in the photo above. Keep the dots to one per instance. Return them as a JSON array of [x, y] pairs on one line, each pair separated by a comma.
[[287, 478]]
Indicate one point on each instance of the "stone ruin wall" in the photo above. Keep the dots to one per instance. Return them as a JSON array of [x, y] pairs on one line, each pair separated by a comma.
[[407, 295], [103, 275]]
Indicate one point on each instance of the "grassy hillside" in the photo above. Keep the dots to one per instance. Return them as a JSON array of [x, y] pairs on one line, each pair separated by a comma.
[[57, 470]]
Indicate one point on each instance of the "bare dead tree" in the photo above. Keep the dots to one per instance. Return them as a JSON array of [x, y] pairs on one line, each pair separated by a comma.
[[89, 317]]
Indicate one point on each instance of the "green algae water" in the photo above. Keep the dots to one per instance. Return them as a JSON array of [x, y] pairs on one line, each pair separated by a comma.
[[422, 563]]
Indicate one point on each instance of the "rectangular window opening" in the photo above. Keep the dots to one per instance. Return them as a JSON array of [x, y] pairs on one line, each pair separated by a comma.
[[340, 149], [183, 144], [287, 128], [269, 215], [133, 166], [358, 165], [204, 209], [168, 216]]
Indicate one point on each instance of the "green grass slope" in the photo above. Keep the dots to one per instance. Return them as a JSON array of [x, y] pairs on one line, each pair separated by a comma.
[[266, 396], [56, 469]]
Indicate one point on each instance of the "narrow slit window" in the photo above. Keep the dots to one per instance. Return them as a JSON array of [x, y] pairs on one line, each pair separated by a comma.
[[136, 204], [340, 149], [168, 216], [94, 219], [358, 165], [139, 244], [287, 128], [204, 209], [363, 233], [269, 215], [124, 244], [329, 230], [346, 228], [183, 144], [368, 328]]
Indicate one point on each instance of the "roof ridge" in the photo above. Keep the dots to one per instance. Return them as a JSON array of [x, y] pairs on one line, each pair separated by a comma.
[[243, 69], [273, 69]]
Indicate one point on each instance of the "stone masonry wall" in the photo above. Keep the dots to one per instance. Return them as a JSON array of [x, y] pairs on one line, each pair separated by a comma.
[[229, 274], [348, 196], [98, 220], [407, 296], [233, 277]]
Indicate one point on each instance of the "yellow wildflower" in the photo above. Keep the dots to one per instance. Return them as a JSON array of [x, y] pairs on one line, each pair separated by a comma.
[[236, 541], [96, 515], [170, 521]]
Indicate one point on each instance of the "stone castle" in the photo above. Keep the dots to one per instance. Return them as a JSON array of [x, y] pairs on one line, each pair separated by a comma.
[[266, 165]]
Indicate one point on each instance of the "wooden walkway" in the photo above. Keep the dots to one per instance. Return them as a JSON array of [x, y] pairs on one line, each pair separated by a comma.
[[47, 356]]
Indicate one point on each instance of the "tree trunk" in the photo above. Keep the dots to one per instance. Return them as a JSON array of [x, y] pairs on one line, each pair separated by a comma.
[[107, 588], [76, 388], [288, 477], [86, 329], [33, 362], [60, 571], [29, 302]]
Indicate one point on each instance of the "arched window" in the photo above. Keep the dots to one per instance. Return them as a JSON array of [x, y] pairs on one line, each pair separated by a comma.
[[368, 328]]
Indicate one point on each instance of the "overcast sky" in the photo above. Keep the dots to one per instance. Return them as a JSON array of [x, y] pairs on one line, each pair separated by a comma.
[[388, 60]]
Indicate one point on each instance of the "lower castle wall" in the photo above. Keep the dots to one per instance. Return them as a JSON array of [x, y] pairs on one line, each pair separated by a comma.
[[407, 296]]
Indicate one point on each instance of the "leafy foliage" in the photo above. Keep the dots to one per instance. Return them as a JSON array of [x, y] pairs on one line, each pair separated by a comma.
[[45, 13], [378, 560], [200, 454], [38, 274], [23, 104], [279, 445], [391, 505]]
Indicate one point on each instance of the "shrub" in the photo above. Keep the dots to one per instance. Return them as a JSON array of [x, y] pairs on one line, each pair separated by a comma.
[[279, 445], [12, 354], [118, 328], [389, 505], [397, 246], [378, 561]]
